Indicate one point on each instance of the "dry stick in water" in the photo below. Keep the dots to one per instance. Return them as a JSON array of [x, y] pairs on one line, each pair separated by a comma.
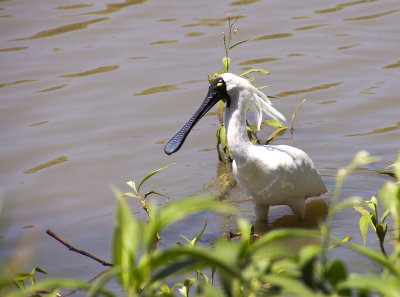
[[82, 252]]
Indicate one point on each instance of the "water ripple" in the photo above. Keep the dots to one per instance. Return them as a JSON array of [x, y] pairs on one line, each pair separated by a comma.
[[376, 131], [309, 90], [47, 165], [13, 49], [3, 85], [274, 36], [52, 88], [114, 7], [159, 89], [372, 16], [343, 5], [62, 29], [92, 71]]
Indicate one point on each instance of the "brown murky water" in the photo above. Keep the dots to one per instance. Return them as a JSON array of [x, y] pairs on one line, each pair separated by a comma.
[[91, 90]]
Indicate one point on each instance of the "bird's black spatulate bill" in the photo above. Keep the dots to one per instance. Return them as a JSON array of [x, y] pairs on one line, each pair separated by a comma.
[[216, 92], [176, 142]]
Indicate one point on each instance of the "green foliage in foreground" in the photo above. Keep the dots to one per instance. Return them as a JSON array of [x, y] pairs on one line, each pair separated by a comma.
[[245, 266]]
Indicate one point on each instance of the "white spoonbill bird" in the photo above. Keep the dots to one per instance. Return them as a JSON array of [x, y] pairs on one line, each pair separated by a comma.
[[270, 174]]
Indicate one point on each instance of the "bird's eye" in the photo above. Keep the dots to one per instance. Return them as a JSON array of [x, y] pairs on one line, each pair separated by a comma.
[[219, 84]]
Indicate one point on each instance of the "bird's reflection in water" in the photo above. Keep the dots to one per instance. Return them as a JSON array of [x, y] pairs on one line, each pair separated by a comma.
[[316, 211]]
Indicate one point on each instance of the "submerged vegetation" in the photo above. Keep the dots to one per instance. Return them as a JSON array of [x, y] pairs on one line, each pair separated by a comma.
[[246, 265]]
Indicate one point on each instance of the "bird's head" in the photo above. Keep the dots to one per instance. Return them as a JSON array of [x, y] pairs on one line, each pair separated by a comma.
[[217, 91], [225, 87]]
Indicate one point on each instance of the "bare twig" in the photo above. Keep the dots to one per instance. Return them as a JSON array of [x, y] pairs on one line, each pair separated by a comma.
[[82, 252]]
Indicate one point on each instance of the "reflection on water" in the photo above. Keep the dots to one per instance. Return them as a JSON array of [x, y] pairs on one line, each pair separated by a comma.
[[308, 90], [377, 131], [394, 65], [343, 5], [273, 36], [62, 30], [372, 16], [13, 49], [163, 42], [53, 88], [76, 6], [3, 85], [258, 61], [310, 27], [47, 165], [158, 89], [38, 124], [210, 22], [92, 71], [316, 212]]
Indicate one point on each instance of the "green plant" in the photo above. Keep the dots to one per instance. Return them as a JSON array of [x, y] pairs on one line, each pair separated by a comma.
[[244, 265], [22, 280], [372, 219]]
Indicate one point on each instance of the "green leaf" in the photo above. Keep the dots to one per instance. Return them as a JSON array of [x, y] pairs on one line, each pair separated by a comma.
[[202, 255], [220, 111], [362, 210], [222, 136], [288, 285], [295, 112], [280, 132], [197, 238], [364, 222], [371, 284], [345, 239], [390, 196], [372, 204], [374, 256], [386, 213], [57, 284], [150, 175], [336, 272], [194, 241], [349, 202], [226, 62], [282, 234], [129, 194], [307, 258], [126, 237], [254, 70], [155, 193], [180, 209], [275, 124], [97, 288], [236, 44]]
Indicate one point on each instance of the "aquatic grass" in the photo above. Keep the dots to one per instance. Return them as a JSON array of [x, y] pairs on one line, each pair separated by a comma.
[[246, 265]]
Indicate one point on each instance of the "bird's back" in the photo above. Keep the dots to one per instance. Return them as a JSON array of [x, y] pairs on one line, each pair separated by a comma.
[[276, 174]]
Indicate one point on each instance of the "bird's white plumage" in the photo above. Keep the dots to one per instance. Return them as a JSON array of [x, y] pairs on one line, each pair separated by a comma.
[[270, 174]]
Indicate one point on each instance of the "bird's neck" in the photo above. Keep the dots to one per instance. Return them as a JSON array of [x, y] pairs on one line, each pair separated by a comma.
[[236, 128]]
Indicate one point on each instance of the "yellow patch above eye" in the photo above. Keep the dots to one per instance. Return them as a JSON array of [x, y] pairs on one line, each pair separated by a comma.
[[219, 84]]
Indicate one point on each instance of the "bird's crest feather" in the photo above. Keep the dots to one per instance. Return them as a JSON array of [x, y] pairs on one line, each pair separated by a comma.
[[257, 99]]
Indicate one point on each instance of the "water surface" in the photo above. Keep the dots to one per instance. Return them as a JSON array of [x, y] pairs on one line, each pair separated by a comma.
[[91, 91]]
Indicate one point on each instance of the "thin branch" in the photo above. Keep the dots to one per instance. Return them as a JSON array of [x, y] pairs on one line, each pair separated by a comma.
[[74, 249]]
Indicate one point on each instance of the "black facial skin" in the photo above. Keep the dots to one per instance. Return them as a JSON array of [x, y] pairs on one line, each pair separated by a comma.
[[216, 92]]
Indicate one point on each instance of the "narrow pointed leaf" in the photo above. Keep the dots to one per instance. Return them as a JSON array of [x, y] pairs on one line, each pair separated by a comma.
[[150, 175], [236, 44], [254, 70]]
